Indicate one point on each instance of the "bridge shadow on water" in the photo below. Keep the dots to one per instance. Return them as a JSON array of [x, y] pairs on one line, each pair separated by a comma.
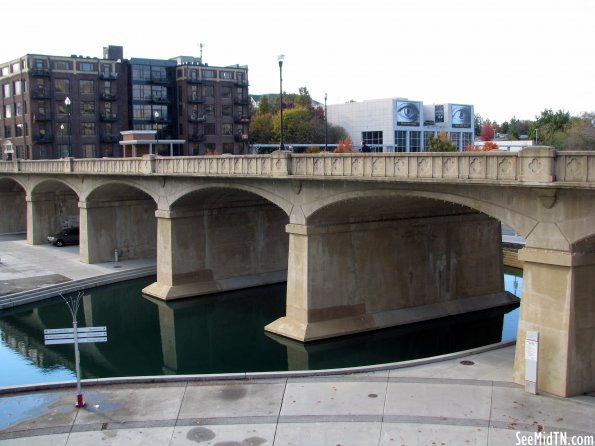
[[217, 334]]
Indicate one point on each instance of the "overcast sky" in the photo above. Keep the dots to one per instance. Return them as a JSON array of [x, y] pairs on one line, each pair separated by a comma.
[[506, 57]]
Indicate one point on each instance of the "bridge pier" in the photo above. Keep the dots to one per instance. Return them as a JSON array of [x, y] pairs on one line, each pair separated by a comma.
[[348, 278], [210, 251], [559, 302]]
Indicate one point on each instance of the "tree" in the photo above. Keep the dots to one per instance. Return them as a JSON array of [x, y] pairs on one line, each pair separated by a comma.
[[487, 131], [441, 143], [478, 124], [303, 99], [261, 128], [264, 106]]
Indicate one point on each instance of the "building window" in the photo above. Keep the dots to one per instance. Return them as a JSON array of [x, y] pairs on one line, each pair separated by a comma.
[[454, 138], [16, 67], [158, 74], [228, 147], [8, 111], [62, 85], [86, 86], [63, 128], [208, 74], [209, 91], [400, 141], [61, 65], [7, 131], [88, 150], [63, 149], [18, 109], [87, 108], [194, 74], [226, 74], [88, 128], [428, 136], [7, 91], [467, 139], [226, 92], [141, 112], [227, 110], [210, 129], [159, 93], [141, 92], [141, 73], [210, 110], [86, 66], [17, 88], [414, 141], [5, 71], [227, 129], [372, 137]]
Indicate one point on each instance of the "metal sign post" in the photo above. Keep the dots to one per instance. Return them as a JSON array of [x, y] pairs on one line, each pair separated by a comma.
[[74, 336]]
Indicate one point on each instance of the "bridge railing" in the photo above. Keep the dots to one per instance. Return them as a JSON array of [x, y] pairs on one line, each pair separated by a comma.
[[534, 164]]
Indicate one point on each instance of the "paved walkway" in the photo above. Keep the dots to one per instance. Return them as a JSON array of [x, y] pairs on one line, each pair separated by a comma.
[[458, 401]]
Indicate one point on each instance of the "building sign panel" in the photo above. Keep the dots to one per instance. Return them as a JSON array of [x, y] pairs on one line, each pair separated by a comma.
[[408, 113], [461, 116]]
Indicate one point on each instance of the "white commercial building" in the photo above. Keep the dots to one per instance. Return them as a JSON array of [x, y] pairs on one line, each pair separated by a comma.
[[402, 125]]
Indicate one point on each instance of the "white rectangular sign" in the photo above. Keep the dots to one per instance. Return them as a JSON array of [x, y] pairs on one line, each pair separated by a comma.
[[71, 340], [54, 336], [71, 330]]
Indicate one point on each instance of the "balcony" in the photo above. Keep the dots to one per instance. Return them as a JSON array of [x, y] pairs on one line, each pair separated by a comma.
[[109, 139], [241, 83], [40, 72], [160, 79], [107, 96], [108, 76], [194, 80], [240, 101], [40, 94], [196, 118], [196, 137], [241, 119], [108, 117], [43, 138], [196, 99], [158, 99], [41, 117]]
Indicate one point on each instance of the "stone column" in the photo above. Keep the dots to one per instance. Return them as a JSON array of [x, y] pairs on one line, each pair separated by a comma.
[[559, 302], [13, 211], [348, 278], [40, 220], [214, 250]]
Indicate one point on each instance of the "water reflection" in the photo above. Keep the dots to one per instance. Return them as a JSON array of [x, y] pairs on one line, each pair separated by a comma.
[[216, 334]]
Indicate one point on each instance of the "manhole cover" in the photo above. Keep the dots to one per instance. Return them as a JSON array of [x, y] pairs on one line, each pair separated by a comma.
[[467, 362]]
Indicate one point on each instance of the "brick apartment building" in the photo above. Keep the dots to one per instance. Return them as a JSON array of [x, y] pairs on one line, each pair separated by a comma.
[[58, 106]]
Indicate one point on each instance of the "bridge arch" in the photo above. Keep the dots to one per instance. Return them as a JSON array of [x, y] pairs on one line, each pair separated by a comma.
[[117, 221], [218, 237], [13, 206], [52, 204]]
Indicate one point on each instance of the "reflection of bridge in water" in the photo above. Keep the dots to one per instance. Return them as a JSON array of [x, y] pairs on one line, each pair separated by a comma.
[[365, 241], [223, 334]]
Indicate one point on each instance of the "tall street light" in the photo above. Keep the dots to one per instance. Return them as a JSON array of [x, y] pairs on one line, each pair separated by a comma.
[[325, 125], [280, 59], [68, 102]]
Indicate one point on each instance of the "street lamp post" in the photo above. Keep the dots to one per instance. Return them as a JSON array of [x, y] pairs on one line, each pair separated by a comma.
[[280, 59], [325, 125], [68, 102]]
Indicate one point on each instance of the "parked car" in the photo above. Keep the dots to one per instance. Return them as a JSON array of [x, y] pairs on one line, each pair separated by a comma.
[[67, 236]]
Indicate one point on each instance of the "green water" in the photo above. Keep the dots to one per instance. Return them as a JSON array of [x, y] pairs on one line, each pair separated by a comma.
[[216, 334]]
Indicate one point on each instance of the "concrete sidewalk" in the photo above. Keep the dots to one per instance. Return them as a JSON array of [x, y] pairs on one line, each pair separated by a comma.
[[444, 403]]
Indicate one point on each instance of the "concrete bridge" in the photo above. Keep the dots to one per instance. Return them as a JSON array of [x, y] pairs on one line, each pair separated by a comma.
[[365, 241]]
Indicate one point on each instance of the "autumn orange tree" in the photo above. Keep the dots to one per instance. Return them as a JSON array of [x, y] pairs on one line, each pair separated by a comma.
[[344, 146]]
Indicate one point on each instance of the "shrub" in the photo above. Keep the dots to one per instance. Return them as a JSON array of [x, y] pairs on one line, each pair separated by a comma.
[[313, 149], [344, 146], [441, 143]]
